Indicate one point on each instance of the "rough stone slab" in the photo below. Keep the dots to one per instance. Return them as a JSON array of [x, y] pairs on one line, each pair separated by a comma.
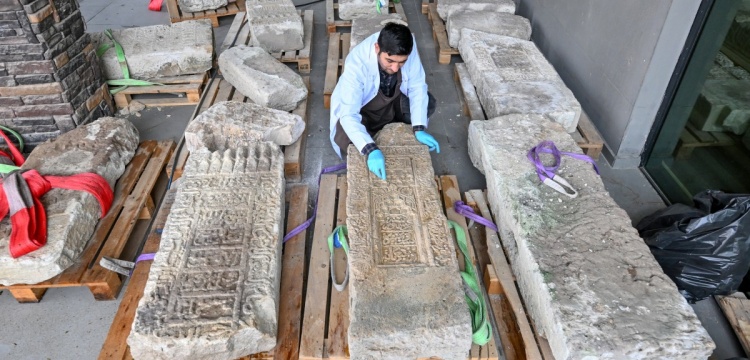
[[103, 147], [446, 8], [262, 78], [160, 50], [590, 283], [275, 25], [513, 77], [213, 289], [404, 281], [365, 26], [723, 105], [353, 9], [200, 5], [232, 124], [487, 21]]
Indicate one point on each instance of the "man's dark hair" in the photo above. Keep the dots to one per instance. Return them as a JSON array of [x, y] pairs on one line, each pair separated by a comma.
[[395, 39]]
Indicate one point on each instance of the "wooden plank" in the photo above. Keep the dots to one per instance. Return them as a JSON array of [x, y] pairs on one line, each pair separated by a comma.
[[491, 282], [338, 319], [472, 106], [346, 43], [173, 10], [295, 153], [737, 312], [332, 67], [330, 19], [224, 93], [159, 89], [441, 36], [507, 328], [27, 295], [234, 30], [180, 101]]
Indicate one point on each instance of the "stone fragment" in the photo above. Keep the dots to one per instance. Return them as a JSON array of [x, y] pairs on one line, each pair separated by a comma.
[[365, 26], [487, 21], [404, 281], [103, 147], [160, 50], [262, 78], [446, 8], [353, 9], [275, 25], [213, 288], [512, 76], [722, 105], [590, 283], [232, 124], [200, 5]]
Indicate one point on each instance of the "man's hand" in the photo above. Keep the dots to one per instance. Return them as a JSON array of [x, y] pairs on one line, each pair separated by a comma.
[[427, 139], [376, 163]]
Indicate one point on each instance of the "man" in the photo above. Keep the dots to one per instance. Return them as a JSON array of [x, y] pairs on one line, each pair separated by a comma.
[[383, 82]]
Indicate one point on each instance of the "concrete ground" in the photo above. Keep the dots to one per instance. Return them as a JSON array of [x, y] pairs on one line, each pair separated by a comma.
[[69, 324]]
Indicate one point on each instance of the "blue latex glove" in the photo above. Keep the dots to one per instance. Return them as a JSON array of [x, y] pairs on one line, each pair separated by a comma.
[[427, 139], [376, 163]]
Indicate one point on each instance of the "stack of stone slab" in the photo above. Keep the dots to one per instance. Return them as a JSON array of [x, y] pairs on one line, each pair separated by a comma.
[[590, 283], [499, 23], [363, 27], [446, 8], [406, 297], [513, 77], [50, 80], [213, 289], [200, 5], [275, 25], [103, 147]]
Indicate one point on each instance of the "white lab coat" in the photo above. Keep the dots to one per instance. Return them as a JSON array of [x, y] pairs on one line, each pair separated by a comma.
[[359, 84]]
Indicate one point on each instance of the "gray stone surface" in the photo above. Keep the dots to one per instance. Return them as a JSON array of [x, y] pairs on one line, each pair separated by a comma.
[[487, 21], [446, 8], [213, 289], [232, 124], [263, 79], [589, 282], [404, 281], [103, 147], [723, 105], [200, 5], [352, 9], [160, 50], [365, 26], [275, 25], [513, 77]]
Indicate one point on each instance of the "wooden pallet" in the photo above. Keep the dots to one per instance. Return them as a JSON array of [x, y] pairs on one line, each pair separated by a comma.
[[333, 21], [115, 345], [240, 30], [586, 135], [736, 308], [186, 88], [440, 35], [338, 49], [426, 5], [176, 14], [692, 138], [221, 90], [132, 202]]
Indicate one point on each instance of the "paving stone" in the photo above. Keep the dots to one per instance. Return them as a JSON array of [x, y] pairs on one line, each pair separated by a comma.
[[365, 26], [353, 9], [513, 77], [200, 5], [213, 288], [262, 78], [404, 281], [722, 105], [160, 50], [275, 25], [590, 283], [103, 147], [446, 8], [487, 21]]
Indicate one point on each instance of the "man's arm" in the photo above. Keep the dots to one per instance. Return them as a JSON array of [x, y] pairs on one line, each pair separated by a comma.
[[417, 90]]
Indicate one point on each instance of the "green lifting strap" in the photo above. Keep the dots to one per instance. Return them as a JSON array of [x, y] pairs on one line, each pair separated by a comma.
[[126, 81], [482, 331], [340, 233], [6, 168]]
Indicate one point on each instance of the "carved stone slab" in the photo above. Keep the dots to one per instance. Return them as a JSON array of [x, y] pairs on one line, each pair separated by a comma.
[[404, 280], [513, 77], [353, 9], [262, 78], [213, 289], [487, 21], [104, 147], [275, 25], [200, 5], [447, 8], [365, 26], [233, 124], [590, 283]]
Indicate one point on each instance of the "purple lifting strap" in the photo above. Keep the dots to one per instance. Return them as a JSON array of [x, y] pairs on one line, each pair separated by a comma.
[[142, 257], [548, 147], [466, 211], [309, 221]]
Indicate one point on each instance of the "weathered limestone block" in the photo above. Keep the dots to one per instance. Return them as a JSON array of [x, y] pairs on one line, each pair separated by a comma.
[[231, 125], [263, 79], [213, 289], [353, 9], [200, 5], [160, 50], [366, 26], [723, 105], [103, 147], [513, 77], [404, 281], [590, 283], [275, 25], [487, 21], [446, 8]]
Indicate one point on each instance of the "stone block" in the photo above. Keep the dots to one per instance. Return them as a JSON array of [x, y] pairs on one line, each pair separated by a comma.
[[446, 8], [42, 99], [497, 23], [38, 89], [6, 101], [7, 81], [42, 110], [231, 125], [160, 50], [722, 105], [10, 5], [200, 5], [213, 288], [34, 79], [590, 283], [104, 147], [262, 78], [353, 9], [365, 26], [404, 281], [30, 67], [275, 25]]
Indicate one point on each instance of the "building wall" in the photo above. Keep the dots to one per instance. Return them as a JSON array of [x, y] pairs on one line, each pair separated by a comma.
[[617, 57]]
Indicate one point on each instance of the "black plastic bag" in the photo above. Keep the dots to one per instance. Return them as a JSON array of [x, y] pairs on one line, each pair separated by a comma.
[[705, 250]]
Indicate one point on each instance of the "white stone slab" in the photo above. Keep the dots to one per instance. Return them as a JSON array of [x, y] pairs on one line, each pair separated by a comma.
[[497, 23], [446, 8], [275, 25], [200, 5], [365, 26], [353, 9]]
